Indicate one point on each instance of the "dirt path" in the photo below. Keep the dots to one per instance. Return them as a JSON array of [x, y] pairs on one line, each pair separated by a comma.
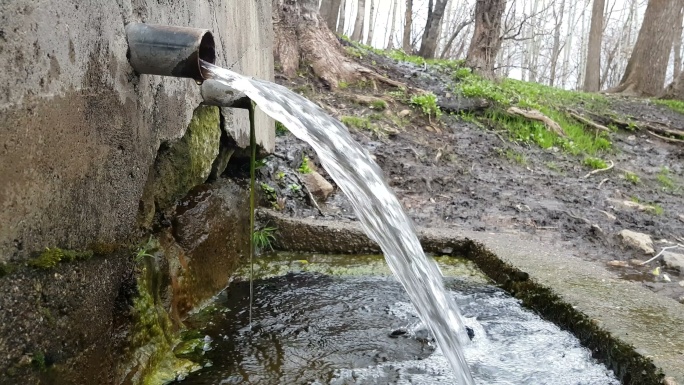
[[455, 173]]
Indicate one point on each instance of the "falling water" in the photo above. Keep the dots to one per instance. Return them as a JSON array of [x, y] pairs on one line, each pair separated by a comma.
[[376, 206]]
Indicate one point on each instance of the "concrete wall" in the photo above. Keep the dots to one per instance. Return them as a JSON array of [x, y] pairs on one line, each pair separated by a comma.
[[79, 129]]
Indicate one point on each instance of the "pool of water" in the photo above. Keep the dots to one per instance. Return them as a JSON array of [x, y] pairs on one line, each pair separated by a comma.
[[345, 320]]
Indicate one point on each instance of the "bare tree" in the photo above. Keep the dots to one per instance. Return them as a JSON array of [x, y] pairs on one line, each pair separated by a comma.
[[454, 35], [433, 26], [647, 67], [301, 36], [330, 10], [678, 43], [393, 28], [343, 17], [371, 23], [555, 51], [592, 71], [357, 35], [408, 24], [486, 40]]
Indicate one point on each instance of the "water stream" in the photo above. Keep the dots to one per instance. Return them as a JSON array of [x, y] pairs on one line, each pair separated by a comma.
[[376, 206]]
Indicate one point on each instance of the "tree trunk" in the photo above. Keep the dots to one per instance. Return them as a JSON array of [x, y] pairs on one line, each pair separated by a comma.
[[343, 17], [592, 71], [433, 26], [371, 24], [555, 51], [486, 40], [393, 9], [676, 89], [357, 35], [647, 67], [330, 9], [301, 36], [408, 24], [678, 43]]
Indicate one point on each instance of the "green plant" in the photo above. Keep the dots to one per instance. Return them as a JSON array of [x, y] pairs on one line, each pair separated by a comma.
[[146, 250], [428, 104], [342, 85], [665, 179], [294, 187], [50, 257], [553, 166], [269, 191], [280, 175], [595, 163], [513, 156], [304, 168], [357, 122], [656, 209], [632, 177], [280, 129], [263, 237], [378, 105]]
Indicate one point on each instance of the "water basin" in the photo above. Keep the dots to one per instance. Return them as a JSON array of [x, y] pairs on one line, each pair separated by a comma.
[[323, 319]]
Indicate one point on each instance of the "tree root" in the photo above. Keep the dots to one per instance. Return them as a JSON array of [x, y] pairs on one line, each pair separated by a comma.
[[538, 116], [587, 122], [600, 170]]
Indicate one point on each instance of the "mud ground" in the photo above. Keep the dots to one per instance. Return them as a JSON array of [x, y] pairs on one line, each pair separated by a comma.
[[453, 173]]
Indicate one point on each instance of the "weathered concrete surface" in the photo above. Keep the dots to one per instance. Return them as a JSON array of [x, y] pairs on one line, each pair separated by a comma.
[[80, 129], [607, 314]]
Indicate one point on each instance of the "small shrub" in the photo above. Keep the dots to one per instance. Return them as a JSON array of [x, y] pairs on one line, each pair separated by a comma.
[[595, 163], [428, 104], [295, 188], [304, 168]]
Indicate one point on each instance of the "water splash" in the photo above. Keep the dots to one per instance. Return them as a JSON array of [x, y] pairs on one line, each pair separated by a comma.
[[376, 206]]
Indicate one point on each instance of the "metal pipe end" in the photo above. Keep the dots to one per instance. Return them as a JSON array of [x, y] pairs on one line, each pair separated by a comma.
[[169, 51]]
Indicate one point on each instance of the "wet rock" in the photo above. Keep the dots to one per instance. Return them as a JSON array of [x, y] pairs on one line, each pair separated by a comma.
[[398, 332], [674, 261], [404, 113], [319, 186], [669, 381], [471, 332], [681, 283], [639, 241]]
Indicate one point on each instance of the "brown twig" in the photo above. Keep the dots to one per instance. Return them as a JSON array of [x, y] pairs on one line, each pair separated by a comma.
[[587, 122], [665, 138], [600, 170]]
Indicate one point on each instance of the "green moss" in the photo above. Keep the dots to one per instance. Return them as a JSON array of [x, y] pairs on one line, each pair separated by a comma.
[[153, 339], [187, 162], [50, 257], [378, 105], [632, 177], [38, 361], [428, 104], [6, 269], [304, 168], [665, 180]]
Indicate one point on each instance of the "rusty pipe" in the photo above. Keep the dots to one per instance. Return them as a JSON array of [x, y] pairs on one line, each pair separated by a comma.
[[169, 51]]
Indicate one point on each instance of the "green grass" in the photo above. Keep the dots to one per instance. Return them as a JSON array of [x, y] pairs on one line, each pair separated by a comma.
[[512, 156], [361, 123], [675, 105], [665, 180], [263, 238], [595, 163], [632, 177], [378, 105], [294, 187]]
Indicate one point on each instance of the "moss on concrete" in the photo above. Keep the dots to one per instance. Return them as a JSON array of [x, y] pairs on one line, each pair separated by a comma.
[[50, 257], [153, 337]]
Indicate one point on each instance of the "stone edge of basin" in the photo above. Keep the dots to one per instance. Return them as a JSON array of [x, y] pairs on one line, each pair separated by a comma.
[[606, 344]]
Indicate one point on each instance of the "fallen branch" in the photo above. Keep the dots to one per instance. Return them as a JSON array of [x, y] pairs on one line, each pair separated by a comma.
[[600, 170], [312, 200], [665, 138], [602, 182], [587, 122], [660, 253], [538, 116]]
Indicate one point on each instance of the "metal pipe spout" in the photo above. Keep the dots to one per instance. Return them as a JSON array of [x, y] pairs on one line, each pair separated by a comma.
[[169, 51]]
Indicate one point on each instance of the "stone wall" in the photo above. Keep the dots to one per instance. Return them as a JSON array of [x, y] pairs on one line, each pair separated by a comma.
[[125, 167], [80, 130]]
